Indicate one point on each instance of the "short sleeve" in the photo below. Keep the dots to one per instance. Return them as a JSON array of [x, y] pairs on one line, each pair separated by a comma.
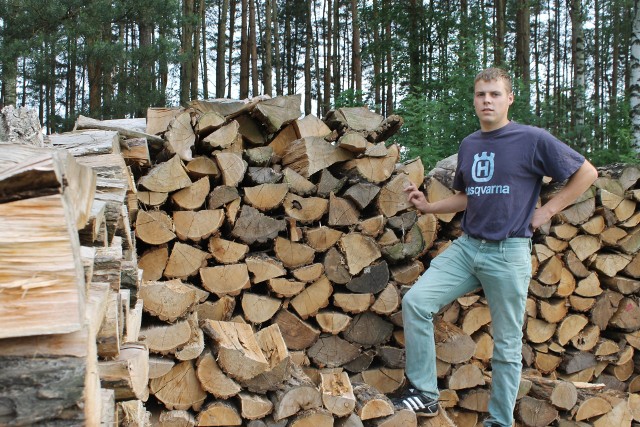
[[554, 158]]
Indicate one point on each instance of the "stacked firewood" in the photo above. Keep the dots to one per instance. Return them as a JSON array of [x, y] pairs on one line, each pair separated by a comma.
[[583, 320], [69, 345], [273, 251], [245, 266]]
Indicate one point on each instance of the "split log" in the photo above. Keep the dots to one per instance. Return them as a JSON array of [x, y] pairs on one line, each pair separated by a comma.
[[337, 393], [298, 393], [238, 352]]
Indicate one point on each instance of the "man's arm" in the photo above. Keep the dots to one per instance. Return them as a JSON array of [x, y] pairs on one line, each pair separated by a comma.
[[455, 203], [578, 183]]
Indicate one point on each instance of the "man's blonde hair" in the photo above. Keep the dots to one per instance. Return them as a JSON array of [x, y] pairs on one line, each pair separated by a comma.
[[494, 73]]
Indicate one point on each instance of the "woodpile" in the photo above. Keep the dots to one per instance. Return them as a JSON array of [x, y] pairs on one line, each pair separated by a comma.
[[232, 263], [68, 343], [582, 322]]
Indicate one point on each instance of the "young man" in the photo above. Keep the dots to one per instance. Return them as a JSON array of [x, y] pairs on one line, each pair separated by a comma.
[[497, 182]]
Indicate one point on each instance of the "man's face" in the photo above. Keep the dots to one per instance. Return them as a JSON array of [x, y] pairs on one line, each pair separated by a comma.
[[491, 101]]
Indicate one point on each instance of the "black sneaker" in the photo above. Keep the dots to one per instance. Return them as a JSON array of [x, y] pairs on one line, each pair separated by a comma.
[[413, 400]]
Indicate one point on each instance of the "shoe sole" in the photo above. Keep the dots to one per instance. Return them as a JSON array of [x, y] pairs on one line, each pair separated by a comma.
[[426, 415]]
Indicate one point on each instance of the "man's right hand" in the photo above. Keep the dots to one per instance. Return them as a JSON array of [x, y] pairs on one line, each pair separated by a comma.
[[417, 197]]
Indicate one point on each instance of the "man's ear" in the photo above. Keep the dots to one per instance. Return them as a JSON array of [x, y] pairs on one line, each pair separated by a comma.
[[511, 98]]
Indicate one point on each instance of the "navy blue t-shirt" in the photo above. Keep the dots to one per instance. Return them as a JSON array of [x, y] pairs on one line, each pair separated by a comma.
[[501, 172]]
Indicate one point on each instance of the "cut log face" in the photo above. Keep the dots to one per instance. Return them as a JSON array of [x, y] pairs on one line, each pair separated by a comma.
[[192, 197], [392, 198], [219, 413], [180, 136], [253, 226], [337, 393], [313, 298], [259, 308], [213, 379], [375, 169], [197, 226], [227, 251], [232, 167], [272, 344], [293, 254], [254, 406], [153, 262], [184, 261], [238, 352], [333, 352], [166, 177], [223, 138], [342, 212], [266, 197], [305, 209], [372, 280], [368, 329], [179, 388], [332, 322], [276, 112], [360, 251], [298, 184], [297, 334], [168, 300], [298, 393], [154, 228], [322, 238], [370, 403], [452, 344], [225, 279], [264, 268], [312, 154]]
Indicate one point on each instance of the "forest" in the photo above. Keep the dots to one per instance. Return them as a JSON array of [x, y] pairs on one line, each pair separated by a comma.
[[574, 63]]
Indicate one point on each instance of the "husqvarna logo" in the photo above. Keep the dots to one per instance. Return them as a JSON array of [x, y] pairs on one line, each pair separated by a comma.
[[482, 170]]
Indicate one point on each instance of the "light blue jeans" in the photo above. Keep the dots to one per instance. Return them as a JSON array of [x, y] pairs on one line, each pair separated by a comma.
[[503, 269]]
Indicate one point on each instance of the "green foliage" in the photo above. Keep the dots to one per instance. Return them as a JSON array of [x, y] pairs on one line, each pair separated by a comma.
[[349, 98]]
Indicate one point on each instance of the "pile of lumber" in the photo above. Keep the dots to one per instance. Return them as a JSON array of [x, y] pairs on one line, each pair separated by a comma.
[[582, 323], [68, 341]]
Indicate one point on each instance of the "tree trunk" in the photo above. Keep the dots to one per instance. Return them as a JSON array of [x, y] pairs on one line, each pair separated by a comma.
[[253, 48], [579, 71], [186, 43], [356, 51], [268, 49], [307, 60], [232, 26], [220, 55], [244, 52], [203, 32], [498, 45], [635, 78], [523, 42]]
